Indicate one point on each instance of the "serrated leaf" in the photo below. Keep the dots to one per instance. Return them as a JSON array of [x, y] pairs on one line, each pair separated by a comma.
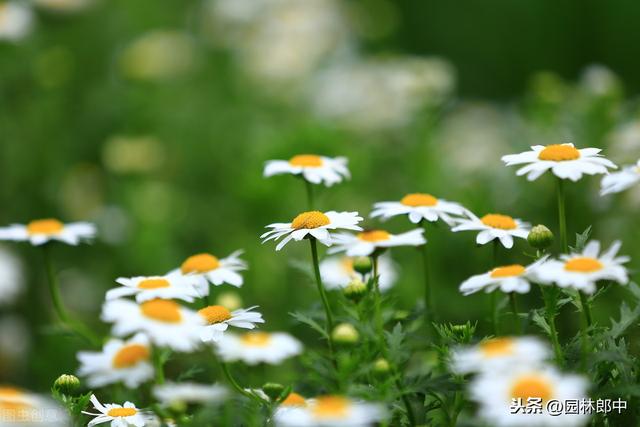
[[302, 318], [539, 320], [581, 239], [627, 318]]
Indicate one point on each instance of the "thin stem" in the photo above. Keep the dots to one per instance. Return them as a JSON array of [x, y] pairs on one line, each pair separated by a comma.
[[236, 386], [310, 198], [428, 308], [158, 362], [407, 404], [586, 309], [323, 295], [379, 323], [514, 310], [562, 216], [493, 298]]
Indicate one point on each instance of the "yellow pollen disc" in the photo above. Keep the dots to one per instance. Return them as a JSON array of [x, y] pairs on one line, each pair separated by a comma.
[[347, 265], [419, 199], [311, 219], [331, 407], [215, 314], [503, 222], [583, 265], [153, 284], [45, 226], [374, 235], [200, 263], [532, 386], [306, 161], [256, 339], [559, 153], [130, 355], [161, 310], [508, 271], [10, 392], [497, 347], [122, 412], [294, 399]]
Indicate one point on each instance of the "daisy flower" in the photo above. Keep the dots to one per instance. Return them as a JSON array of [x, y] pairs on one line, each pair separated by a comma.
[[499, 354], [217, 319], [315, 224], [170, 393], [16, 20], [582, 271], [328, 411], [494, 226], [337, 272], [152, 287], [367, 242], [498, 392], [119, 361], [253, 347], [207, 268], [119, 415], [313, 168], [564, 160], [508, 278], [11, 276], [165, 322], [419, 206], [41, 231], [620, 181], [20, 408]]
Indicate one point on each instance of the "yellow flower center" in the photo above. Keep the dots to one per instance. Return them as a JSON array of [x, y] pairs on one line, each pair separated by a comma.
[[374, 235], [45, 226], [497, 347], [7, 392], [256, 339], [306, 161], [347, 265], [294, 399], [328, 407], [214, 314], [122, 412], [532, 386], [419, 199], [200, 263], [311, 219], [503, 222], [508, 271], [130, 355], [559, 153], [583, 265], [153, 284], [161, 310]]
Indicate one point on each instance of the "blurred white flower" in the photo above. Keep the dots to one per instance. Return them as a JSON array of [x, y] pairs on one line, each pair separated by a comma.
[[205, 268], [494, 226], [146, 288], [16, 20], [158, 55], [617, 182], [313, 168], [20, 408], [217, 320], [499, 354], [253, 348], [337, 272], [172, 393], [41, 231], [508, 278], [367, 242], [624, 140], [11, 276], [15, 340], [598, 80], [329, 411], [418, 207]]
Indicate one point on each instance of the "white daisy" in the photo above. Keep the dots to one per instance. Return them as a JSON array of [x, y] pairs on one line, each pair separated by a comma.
[[254, 347], [20, 408], [497, 392], [582, 271], [152, 287], [313, 168], [620, 181], [494, 226], [337, 272], [119, 361], [217, 319], [499, 354], [207, 268], [564, 160], [11, 276], [367, 242], [16, 20], [170, 393], [41, 231], [165, 322], [329, 411], [419, 206], [315, 224], [508, 278], [119, 415]]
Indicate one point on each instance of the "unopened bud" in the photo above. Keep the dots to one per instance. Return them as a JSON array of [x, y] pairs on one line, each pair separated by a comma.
[[540, 237], [345, 333], [362, 264], [355, 290], [67, 384], [229, 300], [273, 390], [381, 366]]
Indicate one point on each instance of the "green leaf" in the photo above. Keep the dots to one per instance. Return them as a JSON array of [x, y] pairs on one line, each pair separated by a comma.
[[539, 320], [302, 318], [581, 239], [627, 318]]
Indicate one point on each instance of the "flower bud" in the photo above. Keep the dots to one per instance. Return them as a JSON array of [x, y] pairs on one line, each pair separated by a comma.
[[345, 333], [381, 366], [229, 300], [540, 237], [273, 390], [67, 384], [362, 265], [355, 290]]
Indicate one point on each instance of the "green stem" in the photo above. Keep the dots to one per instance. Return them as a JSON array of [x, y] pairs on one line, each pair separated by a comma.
[[236, 386], [407, 404], [514, 310], [562, 216], [494, 295], [550, 296], [428, 307], [584, 302], [158, 362], [379, 323], [310, 198], [323, 296]]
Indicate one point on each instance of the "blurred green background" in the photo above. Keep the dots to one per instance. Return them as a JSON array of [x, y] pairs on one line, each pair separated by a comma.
[[154, 120]]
